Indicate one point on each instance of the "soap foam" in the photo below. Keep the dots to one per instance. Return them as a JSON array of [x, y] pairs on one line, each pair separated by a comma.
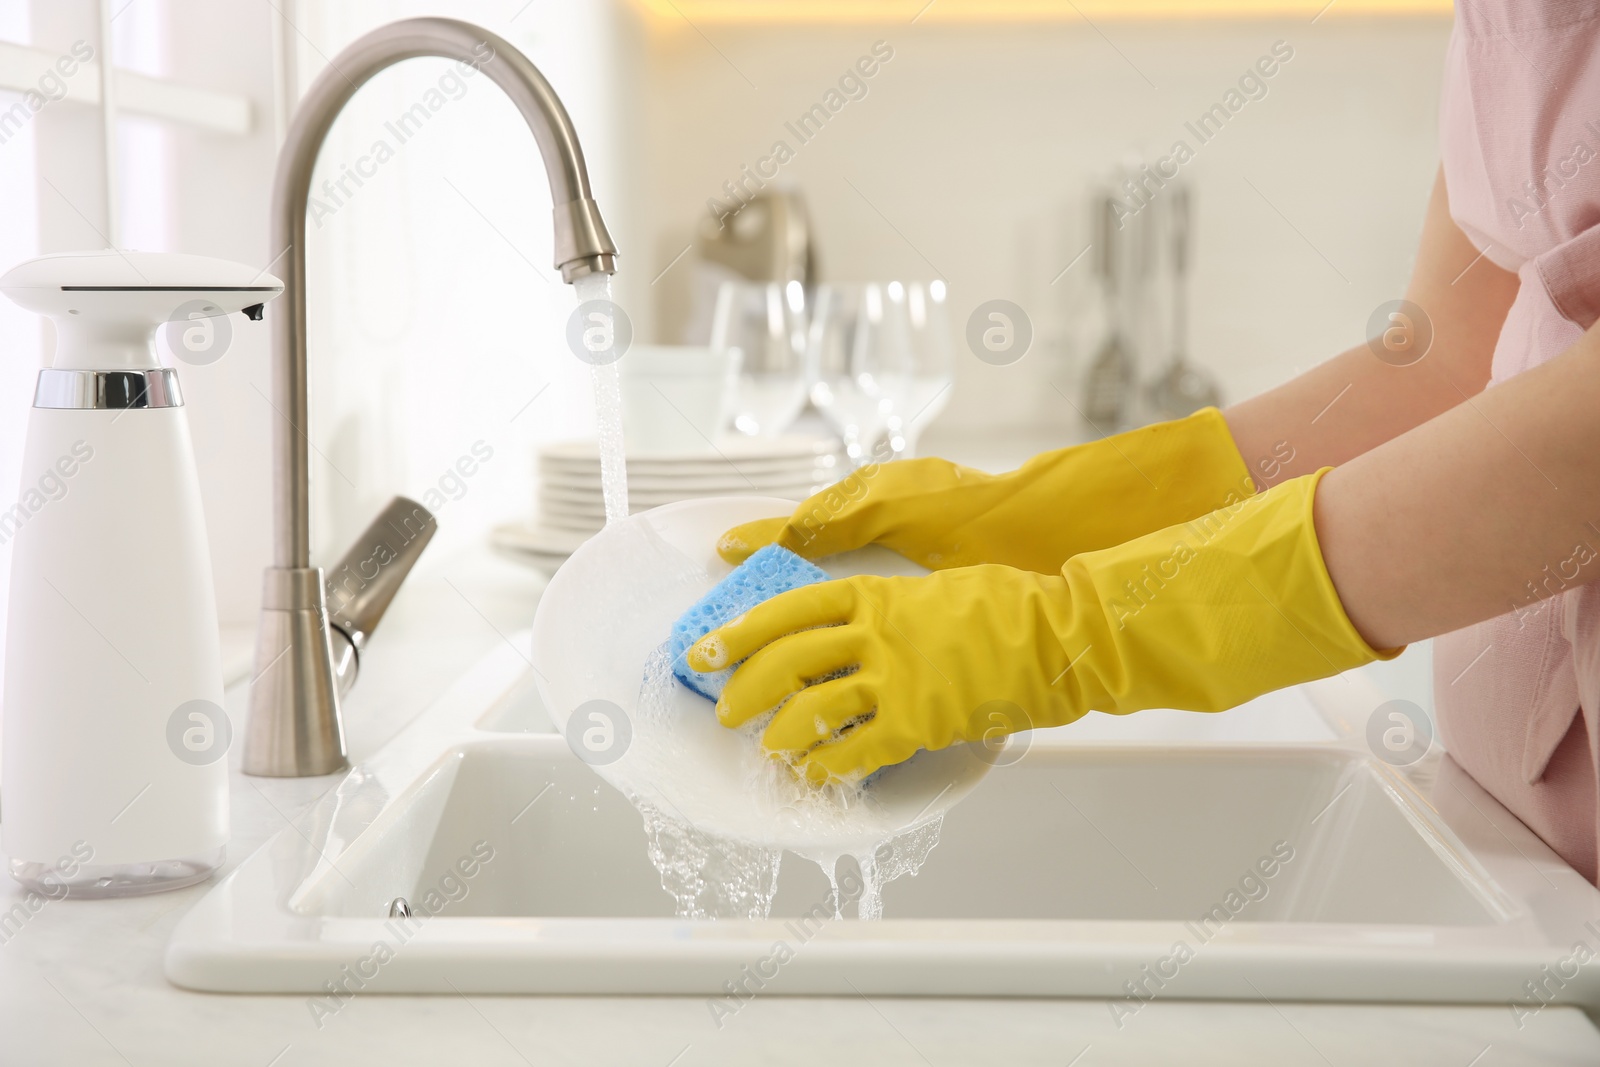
[[709, 875], [714, 803]]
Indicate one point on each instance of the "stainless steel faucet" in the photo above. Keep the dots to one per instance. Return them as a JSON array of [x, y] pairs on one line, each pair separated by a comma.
[[307, 655]]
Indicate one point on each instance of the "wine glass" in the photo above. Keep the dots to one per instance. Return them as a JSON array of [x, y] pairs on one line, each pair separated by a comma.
[[860, 361], [930, 355], [762, 327]]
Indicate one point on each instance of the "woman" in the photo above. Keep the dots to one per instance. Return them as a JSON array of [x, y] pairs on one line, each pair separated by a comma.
[[1389, 495]]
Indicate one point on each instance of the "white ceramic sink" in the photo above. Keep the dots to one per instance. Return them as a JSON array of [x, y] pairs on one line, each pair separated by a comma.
[[1079, 869]]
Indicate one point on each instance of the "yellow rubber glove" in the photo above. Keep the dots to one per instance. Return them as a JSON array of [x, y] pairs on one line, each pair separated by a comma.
[[1036, 517], [1201, 616]]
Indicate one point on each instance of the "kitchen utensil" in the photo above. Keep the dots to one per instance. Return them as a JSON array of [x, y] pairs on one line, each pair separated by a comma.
[[931, 358], [761, 326], [768, 239], [1109, 388], [569, 506], [676, 399], [1182, 388], [860, 359]]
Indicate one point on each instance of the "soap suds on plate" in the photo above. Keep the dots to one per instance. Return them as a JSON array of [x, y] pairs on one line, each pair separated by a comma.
[[711, 875], [717, 809]]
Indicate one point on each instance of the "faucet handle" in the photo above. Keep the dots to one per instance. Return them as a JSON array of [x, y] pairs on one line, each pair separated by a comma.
[[360, 587], [308, 650]]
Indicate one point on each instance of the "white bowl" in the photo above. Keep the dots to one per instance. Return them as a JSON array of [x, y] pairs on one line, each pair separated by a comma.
[[612, 605], [675, 398]]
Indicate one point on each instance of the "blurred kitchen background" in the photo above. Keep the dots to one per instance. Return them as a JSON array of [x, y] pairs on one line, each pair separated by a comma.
[[971, 165]]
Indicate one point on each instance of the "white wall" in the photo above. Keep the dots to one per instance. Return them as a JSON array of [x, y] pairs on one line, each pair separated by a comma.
[[977, 143]]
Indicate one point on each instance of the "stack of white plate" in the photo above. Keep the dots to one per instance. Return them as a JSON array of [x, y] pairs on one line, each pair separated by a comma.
[[570, 507]]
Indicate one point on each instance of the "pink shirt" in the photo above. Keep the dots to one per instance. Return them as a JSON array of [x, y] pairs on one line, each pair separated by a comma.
[[1517, 696]]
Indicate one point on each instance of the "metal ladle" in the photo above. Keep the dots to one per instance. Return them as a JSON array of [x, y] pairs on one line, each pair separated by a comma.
[[1183, 388]]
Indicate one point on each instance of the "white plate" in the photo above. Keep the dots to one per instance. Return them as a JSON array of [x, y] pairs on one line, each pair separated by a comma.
[[735, 470], [612, 605], [640, 499], [536, 545], [729, 483], [714, 461], [734, 449], [735, 477], [761, 486], [570, 525], [537, 539]]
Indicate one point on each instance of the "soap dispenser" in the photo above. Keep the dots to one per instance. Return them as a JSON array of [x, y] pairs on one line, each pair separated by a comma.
[[114, 777]]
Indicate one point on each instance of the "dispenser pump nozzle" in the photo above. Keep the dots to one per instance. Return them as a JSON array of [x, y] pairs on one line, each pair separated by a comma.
[[107, 304]]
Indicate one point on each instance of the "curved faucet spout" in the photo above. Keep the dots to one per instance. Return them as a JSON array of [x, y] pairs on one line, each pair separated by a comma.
[[582, 245], [294, 727]]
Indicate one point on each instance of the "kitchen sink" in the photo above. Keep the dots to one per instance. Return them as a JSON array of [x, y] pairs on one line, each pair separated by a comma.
[[1087, 866]]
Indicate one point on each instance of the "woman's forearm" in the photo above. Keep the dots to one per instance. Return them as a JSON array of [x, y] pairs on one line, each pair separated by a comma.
[[1488, 508], [1357, 401]]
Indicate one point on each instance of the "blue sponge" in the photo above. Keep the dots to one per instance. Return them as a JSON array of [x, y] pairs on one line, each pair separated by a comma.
[[770, 571]]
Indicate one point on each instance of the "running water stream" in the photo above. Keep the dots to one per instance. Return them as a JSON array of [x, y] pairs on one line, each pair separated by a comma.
[[712, 876], [706, 875], [608, 410]]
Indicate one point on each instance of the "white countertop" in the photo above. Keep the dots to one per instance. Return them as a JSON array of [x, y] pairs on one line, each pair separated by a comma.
[[81, 982]]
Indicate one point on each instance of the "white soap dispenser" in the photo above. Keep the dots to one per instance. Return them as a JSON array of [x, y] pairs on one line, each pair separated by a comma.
[[114, 779]]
